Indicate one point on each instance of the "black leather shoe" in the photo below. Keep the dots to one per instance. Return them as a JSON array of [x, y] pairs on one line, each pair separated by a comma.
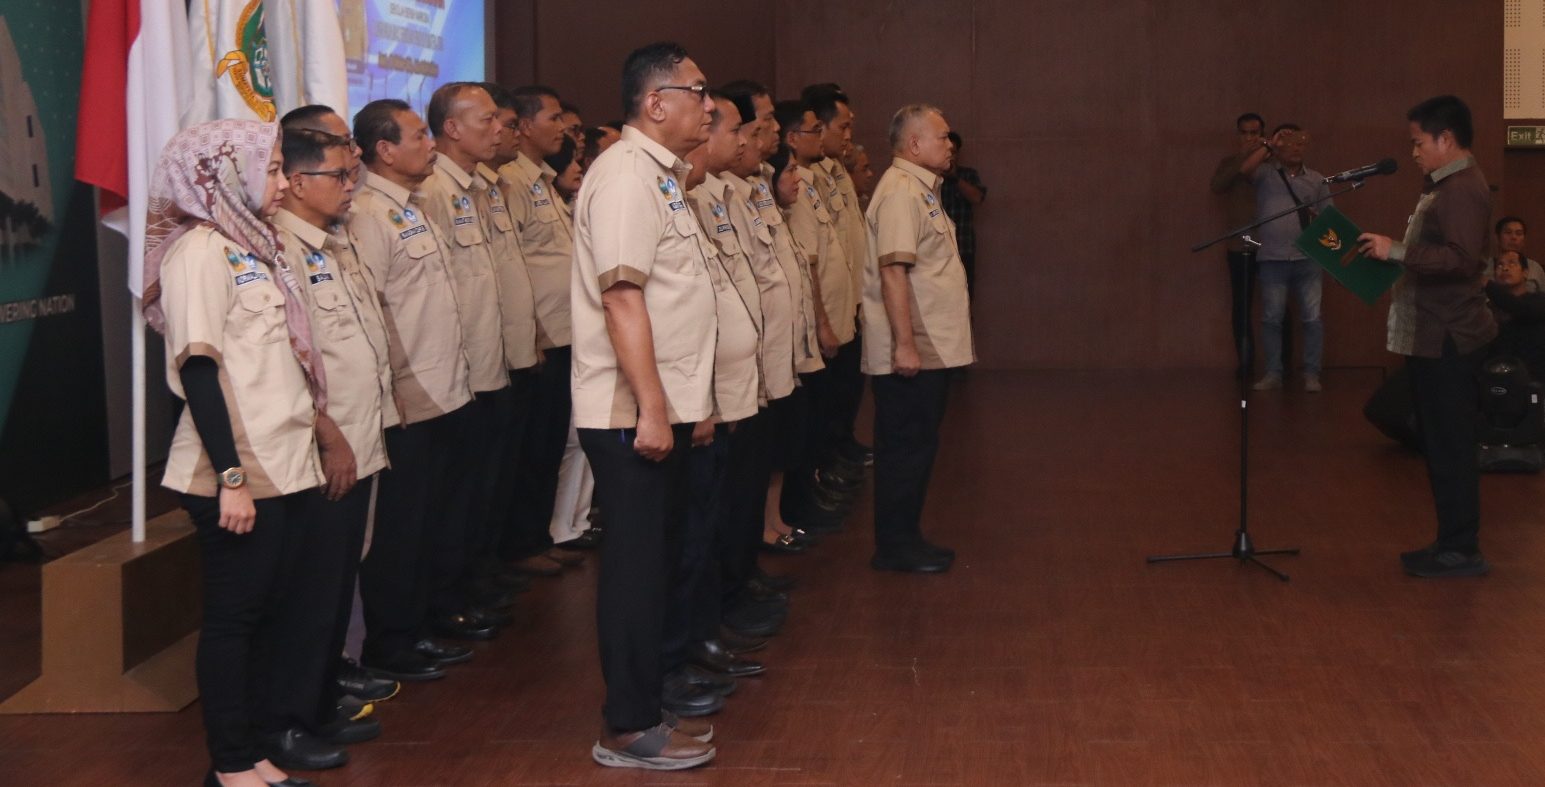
[[722, 685], [774, 581], [296, 749], [756, 591], [460, 626], [590, 539], [293, 781], [786, 544], [911, 560], [713, 656], [357, 681], [935, 549], [495, 617], [407, 665], [443, 654], [739, 644], [681, 697], [345, 732], [755, 618]]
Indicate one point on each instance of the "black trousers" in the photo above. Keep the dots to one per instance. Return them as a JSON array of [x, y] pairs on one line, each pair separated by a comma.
[[245, 581], [1242, 270], [693, 612], [755, 452], [502, 475], [541, 455], [646, 513], [457, 517], [411, 530], [1447, 394], [907, 413], [803, 430], [303, 691], [846, 396]]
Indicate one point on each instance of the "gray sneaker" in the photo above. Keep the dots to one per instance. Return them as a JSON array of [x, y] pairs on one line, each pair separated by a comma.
[[1312, 383], [1270, 382]]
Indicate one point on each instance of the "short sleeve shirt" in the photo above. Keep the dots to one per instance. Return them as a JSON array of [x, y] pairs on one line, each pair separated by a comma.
[[546, 235], [776, 296], [403, 251], [450, 199], [908, 227], [224, 303], [347, 333], [842, 198], [796, 267], [517, 307], [632, 224], [737, 361], [815, 230]]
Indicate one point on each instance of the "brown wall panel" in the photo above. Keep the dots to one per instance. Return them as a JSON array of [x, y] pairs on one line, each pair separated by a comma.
[[1096, 124]]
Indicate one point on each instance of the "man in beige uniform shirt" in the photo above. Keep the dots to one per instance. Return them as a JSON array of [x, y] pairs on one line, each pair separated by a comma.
[[546, 238], [462, 118], [917, 326], [346, 329], [406, 257], [644, 335]]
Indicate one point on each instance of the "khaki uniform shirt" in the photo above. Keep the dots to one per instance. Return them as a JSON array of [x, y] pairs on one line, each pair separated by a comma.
[[347, 331], [908, 226], [815, 232], [546, 234], [224, 303], [796, 268], [777, 296], [842, 199], [423, 329], [450, 200], [517, 305], [737, 353], [632, 224]]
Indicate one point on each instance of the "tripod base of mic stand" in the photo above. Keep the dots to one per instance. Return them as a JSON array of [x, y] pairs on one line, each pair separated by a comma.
[[1244, 551]]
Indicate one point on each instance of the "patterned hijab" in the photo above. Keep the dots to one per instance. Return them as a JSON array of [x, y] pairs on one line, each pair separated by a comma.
[[216, 174]]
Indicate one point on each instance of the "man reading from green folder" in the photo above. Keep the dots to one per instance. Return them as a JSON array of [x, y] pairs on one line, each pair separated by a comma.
[[1438, 319]]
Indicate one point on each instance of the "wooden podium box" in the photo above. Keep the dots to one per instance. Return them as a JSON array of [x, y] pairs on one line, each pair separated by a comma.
[[120, 625]]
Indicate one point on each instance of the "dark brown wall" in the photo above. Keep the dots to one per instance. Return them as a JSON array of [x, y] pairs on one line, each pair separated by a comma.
[[1096, 124]]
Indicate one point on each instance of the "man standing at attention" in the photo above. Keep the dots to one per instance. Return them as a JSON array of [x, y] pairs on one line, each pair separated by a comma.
[[1438, 319], [917, 326]]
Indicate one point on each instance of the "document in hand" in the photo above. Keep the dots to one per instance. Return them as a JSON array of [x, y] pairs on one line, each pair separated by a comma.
[[1331, 240]]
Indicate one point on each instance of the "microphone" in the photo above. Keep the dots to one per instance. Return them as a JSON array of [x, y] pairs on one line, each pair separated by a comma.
[[1385, 167]]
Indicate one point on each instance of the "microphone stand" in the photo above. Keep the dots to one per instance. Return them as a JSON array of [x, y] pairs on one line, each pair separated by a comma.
[[1243, 548]]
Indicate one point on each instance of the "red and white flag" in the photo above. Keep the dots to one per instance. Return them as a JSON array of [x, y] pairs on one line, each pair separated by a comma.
[[135, 87]]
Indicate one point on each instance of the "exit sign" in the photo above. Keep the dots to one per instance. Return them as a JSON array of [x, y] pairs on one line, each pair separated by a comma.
[[1525, 136]]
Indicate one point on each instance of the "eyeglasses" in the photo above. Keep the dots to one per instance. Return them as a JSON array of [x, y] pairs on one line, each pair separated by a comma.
[[697, 91], [341, 175], [819, 129]]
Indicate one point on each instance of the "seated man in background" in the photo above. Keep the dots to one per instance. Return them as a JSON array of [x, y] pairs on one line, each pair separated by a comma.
[[1520, 313], [1511, 232]]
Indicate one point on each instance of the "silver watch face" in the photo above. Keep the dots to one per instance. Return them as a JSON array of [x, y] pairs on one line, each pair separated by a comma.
[[234, 478]]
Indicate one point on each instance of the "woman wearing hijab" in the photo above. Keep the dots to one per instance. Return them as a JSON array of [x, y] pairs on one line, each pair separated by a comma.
[[244, 458]]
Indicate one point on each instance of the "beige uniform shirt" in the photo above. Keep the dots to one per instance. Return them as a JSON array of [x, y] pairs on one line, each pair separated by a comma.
[[632, 224], [842, 199], [546, 235], [796, 268], [776, 295], [815, 232], [423, 329], [224, 303], [450, 201], [737, 353], [347, 331], [517, 304], [908, 227]]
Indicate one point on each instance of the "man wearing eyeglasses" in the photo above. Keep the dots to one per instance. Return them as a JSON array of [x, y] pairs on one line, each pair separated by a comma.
[[462, 118], [349, 332], [645, 326]]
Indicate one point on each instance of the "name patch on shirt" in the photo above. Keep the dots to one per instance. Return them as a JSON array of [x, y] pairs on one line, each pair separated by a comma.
[[933, 213], [411, 231], [252, 276], [541, 203], [496, 208], [676, 205], [460, 220]]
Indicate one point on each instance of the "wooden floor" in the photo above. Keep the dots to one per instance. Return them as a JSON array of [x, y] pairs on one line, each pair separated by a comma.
[[1051, 653]]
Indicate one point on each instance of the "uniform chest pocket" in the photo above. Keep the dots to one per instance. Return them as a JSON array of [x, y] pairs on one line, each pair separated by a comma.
[[470, 233], [502, 220], [762, 233], [420, 245], [727, 242], [682, 221], [939, 221], [259, 315], [336, 312], [545, 211], [822, 214]]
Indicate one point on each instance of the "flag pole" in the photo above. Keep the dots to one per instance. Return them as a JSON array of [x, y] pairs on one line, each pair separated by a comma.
[[137, 356]]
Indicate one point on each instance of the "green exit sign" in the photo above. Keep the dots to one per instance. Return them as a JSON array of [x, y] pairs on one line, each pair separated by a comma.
[[1525, 136]]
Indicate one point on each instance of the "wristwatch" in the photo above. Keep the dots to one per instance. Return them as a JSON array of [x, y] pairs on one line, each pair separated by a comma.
[[234, 478]]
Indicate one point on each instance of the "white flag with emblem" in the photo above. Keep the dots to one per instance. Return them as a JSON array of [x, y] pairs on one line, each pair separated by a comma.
[[232, 76]]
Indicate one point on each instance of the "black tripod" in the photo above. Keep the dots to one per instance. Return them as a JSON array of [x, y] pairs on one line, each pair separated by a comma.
[[1244, 549]]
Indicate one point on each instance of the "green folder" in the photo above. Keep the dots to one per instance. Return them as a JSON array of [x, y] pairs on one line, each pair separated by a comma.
[[1331, 240]]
